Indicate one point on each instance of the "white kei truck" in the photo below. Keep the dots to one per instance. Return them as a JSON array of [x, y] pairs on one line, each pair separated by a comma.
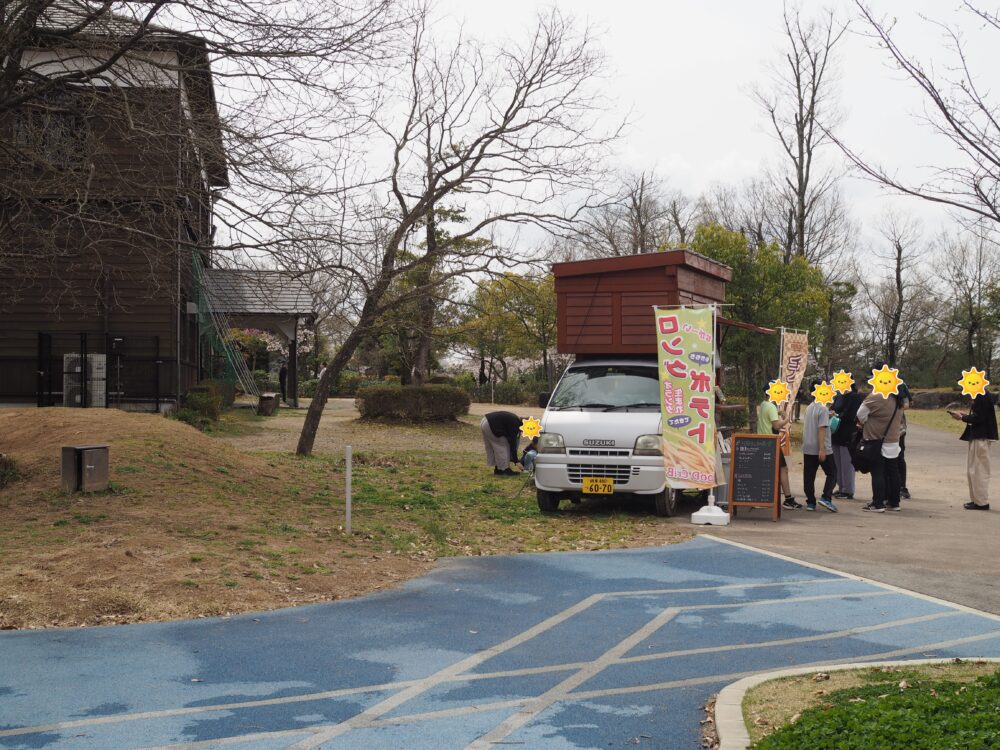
[[601, 426]]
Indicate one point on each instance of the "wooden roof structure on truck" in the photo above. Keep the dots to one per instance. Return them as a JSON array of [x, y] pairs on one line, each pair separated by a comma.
[[604, 306]]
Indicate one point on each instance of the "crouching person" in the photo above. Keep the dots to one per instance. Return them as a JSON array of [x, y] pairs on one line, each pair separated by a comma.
[[501, 432]]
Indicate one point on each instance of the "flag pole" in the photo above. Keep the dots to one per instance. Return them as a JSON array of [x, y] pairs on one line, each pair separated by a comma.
[[712, 514]]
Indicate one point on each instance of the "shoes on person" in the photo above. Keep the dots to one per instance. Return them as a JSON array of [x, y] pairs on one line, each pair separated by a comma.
[[790, 503], [904, 493], [843, 495], [810, 506], [894, 508], [873, 508], [504, 472], [973, 506], [828, 504]]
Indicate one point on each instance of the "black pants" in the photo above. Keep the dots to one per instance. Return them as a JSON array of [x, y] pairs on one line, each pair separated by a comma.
[[810, 465], [885, 482], [902, 461]]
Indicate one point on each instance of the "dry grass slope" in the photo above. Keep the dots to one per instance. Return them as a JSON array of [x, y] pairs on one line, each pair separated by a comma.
[[192, 526]]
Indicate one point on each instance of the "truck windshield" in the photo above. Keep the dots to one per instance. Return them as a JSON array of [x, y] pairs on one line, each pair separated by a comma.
[[608, 387]]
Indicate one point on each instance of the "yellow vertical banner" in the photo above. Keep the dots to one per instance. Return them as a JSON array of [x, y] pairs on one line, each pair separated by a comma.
[[685, 345]]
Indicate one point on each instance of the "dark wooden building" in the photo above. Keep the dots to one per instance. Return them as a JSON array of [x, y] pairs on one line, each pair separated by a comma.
[[605, 306], [107, 191]]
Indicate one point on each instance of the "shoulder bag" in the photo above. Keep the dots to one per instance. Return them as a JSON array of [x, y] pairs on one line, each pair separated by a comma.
[[866, 455]]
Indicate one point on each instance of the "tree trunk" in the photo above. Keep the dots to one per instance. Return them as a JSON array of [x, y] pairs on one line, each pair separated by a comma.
[[308, 436], [891, 344], [425, 309]]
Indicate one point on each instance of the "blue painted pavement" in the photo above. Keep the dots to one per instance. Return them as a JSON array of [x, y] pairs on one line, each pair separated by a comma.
[[567, 650]]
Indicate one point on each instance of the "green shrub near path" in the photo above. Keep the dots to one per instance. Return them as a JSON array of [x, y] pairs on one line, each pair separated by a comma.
[[427, 403], [899, 713]]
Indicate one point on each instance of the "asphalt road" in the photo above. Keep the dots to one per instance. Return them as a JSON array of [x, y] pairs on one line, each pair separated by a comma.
[[933, 546], [565, 650]]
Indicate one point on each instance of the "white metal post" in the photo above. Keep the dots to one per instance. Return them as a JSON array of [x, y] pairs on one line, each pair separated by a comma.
[[347, 477]]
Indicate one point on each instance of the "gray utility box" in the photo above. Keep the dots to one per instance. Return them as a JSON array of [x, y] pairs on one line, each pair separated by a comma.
[[267, 405], [84, 468]]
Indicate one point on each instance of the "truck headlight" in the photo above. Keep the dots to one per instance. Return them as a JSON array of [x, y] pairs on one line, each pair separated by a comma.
[[551, 442], [647, 445]]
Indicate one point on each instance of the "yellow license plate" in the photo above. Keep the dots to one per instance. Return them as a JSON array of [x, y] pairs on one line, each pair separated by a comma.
[[598, 485]]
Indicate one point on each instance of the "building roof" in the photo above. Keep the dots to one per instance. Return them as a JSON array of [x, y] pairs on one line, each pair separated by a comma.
[[87, 23], [644, 261], [83, 17], [245, 292]]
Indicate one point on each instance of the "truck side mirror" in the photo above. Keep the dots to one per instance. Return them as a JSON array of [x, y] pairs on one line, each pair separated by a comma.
[[543, 399]]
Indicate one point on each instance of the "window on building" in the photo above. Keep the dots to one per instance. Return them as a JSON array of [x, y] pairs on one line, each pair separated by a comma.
[[51, 133]]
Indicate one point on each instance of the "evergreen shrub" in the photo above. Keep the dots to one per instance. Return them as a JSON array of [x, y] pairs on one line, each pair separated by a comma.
[[427, 403]]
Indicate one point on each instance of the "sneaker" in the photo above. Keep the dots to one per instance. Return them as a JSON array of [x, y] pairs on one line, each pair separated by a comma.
[[810, 506], [893, 508], [973, 506], [828, 504], [872, 508], [904, 493], [790, 503], [843, 495], [508, 472]]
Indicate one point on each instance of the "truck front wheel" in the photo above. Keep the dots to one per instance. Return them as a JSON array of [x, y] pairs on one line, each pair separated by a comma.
[[548, 502], [666, 502]]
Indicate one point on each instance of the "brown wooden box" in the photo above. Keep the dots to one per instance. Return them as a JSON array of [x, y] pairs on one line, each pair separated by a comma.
[[605, 306]]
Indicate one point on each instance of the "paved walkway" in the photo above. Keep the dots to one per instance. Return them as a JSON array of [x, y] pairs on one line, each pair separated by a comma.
[[595, 650], [933, 546]]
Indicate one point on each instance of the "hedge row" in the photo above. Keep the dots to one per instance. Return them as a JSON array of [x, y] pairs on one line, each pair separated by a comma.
[[410, 403]]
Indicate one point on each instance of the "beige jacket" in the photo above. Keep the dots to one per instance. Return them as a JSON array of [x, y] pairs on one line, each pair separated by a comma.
[[879, 412]]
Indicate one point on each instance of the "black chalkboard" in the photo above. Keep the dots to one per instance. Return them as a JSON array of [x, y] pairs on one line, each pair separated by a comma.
[[753, 473]]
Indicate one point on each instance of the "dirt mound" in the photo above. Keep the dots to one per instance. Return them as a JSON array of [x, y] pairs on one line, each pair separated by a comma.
[[34, 438]]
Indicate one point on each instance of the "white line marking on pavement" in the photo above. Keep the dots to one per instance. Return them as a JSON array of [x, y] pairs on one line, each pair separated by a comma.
[[168, 712], [455, 672], [739, 675], [559, 691], [445, 675], [788, 641], [854, 577], [579, 696], [305, 697], [458, 677]]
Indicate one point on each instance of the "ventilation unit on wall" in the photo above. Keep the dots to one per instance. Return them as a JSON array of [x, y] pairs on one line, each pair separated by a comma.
[[74, 375]]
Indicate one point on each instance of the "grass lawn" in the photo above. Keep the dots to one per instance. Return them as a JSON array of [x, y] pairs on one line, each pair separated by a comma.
[[938, 419], [931, 707], [228, 521]]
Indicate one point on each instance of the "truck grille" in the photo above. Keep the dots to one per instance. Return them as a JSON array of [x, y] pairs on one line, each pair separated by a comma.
[[620, 473], [599, 452]]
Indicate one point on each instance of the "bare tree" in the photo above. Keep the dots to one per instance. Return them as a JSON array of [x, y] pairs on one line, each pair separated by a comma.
[[959, 109], [971, 269], [642, 216], [800, 105], [511, 134], [899, 306]]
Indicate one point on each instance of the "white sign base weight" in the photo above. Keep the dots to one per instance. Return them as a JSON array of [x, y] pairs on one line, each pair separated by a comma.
[[710, 515]]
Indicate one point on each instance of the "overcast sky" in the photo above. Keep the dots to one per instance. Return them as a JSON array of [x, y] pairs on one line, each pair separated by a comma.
[[686, 68]]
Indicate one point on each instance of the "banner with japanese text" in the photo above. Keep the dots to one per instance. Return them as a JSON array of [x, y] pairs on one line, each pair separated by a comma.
[[685, 345], [794, 361]]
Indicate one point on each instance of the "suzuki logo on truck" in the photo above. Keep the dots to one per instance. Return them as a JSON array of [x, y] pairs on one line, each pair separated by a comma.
[[599, 443]]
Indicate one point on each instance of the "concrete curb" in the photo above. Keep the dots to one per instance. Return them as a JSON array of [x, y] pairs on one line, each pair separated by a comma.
[[729, 724]]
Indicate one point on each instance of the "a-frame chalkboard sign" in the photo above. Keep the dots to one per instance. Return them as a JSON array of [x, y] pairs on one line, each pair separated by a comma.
[[753, 474]]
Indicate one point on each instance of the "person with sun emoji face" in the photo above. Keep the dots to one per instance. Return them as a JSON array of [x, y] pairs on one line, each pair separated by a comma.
[[881, 416], [980, 432]]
